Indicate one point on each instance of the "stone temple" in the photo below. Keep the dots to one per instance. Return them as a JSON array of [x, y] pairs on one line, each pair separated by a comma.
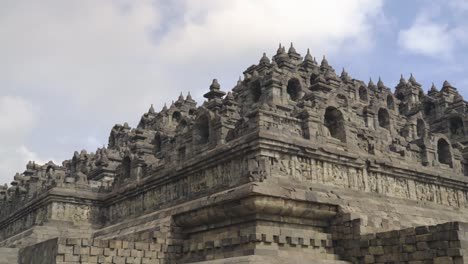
[[295, 165]]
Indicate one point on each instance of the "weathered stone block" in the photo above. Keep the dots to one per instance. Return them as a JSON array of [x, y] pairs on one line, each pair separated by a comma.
[[443, 260]]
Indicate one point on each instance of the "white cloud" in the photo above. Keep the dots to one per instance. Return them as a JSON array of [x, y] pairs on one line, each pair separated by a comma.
[[429, 36], [228, 28], [17, 120], [431, 39], [103, 54]]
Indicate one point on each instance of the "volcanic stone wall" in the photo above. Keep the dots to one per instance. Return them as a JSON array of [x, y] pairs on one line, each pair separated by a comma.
[[440, 244], [75, 250]]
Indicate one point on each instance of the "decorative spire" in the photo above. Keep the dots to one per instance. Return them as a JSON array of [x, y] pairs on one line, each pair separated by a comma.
[[402, 81], [308, 60], [151, 109], [164, 107], [181, 97], [279, 50], [380, 84], [433, 88], [330, 75], [308, 57], [446, 84], [264, 60], [345, 76], [324, 63], [239, 81], [371, 84], [189, 97], [292, 49], [215, 85], [413, 81], [215, 91], [229, 99]]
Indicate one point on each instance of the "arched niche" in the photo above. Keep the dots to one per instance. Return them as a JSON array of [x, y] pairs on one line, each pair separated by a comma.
[[384, 118], [400, 96], [112, 140], [443, 152], [390, 102], [334, 121], [421, 128], [126, 167], [182, 127], [313, 76], [363, 94], [429, 108], [457, 128], [157, 144], [421, 95], [176, 116], [202, 130], [294, 89], [50, 169], [256, 91]]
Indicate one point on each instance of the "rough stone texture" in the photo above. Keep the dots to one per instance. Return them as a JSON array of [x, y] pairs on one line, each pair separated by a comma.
[[443, 243], [8, 255], [295, 165], [76, 250]]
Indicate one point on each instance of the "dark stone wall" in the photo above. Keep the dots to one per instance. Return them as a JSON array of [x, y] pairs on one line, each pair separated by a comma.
[[443, 243], [42, 253]]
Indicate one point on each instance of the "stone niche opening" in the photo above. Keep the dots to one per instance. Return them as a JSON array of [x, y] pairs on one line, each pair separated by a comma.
[[334, 121], [176, 116], [421, 128], [256, 91], [157, 144], [421, 95], [363, 94], [182, 126], [384, 118], [457, 127], [294, 89], [390, 102], [50, 169], [443, 152], [429, 108], [126, 168], [202, 130]]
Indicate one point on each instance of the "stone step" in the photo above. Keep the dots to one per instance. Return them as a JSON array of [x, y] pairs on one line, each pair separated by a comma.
[[255, 259], [9, 255]]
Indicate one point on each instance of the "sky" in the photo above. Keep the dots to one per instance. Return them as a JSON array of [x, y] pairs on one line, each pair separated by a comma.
[[70, 70]]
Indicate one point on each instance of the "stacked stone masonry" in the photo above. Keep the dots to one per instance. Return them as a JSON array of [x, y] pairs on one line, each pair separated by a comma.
[[443, 243], [296, 164], [76, 250]]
